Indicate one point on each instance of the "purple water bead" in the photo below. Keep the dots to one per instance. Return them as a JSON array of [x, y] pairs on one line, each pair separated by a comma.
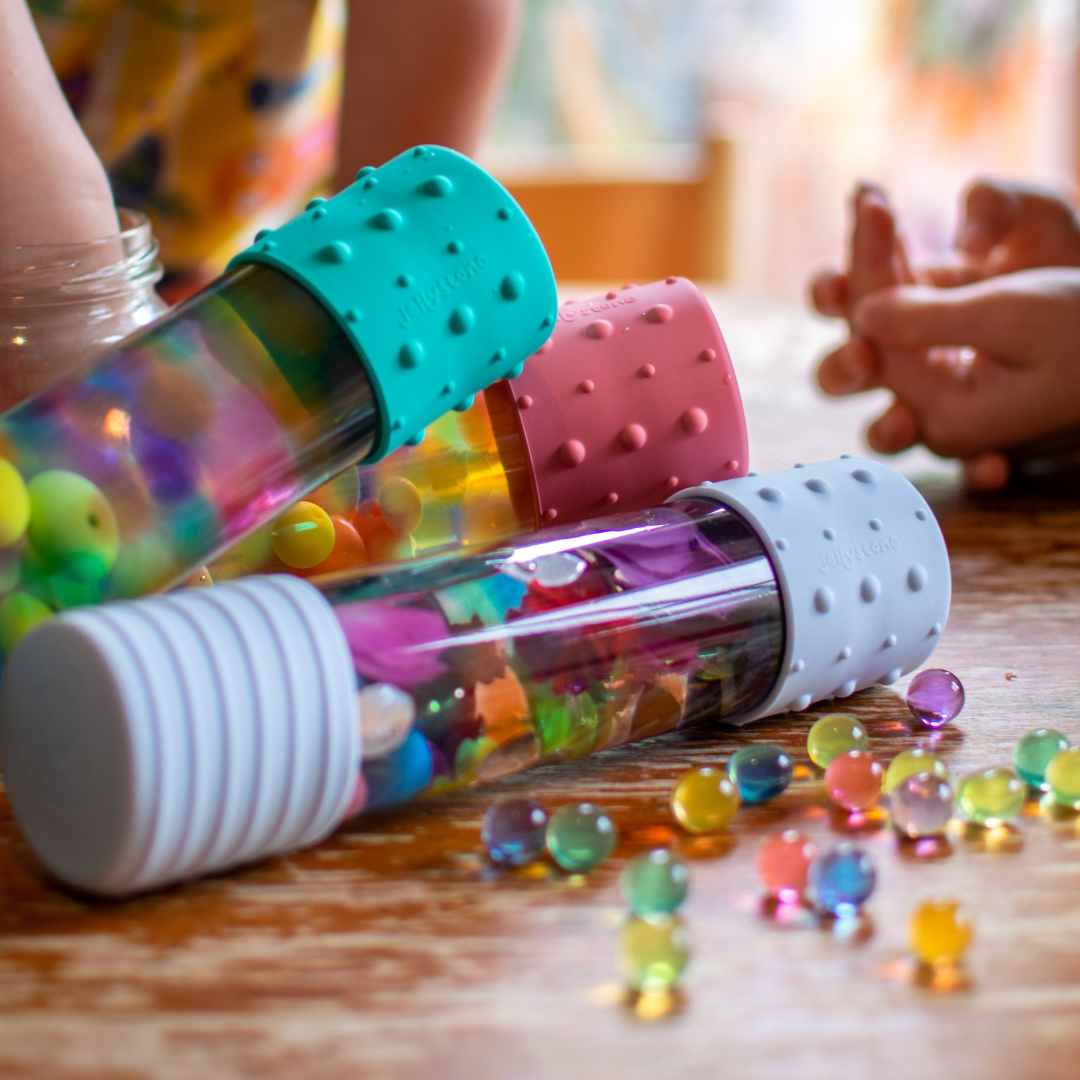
[[921, 805], [934, 697], [514, 830]]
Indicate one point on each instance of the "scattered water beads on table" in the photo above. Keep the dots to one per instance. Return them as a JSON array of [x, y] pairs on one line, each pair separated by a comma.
[[760, 772], [935, 697], [1063, 777], [655, 882], [1034, 751], [835, 734], [853, 779], [655, 950], [783, 861], [514, 831], [939, 932], [921, 806], [911, 763], [990, 797], [842, 879], [704, 800], [580, 836]]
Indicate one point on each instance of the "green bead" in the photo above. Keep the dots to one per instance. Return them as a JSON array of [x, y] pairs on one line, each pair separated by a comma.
[[655, 950], [1034, 751], [911, 763], [19, 614], [654, 882], [834, 735], [990, 797], [580, 836], [1063, 776], [72, 526]]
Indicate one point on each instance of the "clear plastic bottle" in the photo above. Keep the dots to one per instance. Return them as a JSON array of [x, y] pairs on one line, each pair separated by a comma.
[[200, 428], [602, 421]]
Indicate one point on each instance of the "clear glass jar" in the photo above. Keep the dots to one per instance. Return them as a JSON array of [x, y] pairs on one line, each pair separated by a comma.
[[62, 304]]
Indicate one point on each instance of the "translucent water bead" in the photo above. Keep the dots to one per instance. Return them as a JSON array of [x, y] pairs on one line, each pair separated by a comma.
[[842, 879], [990, 797], [655, 950], [654, 882], [514, 831], [580, 836], [939, 932], [1034, 751], [704, 800], [834, 734], [386, 716], [1063, 776], [921, 806], [783, 861], [910, 763], [760, 772], [935, 697], [853, 779]]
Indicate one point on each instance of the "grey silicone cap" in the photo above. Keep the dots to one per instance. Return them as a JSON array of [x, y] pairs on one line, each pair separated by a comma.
[[862, 567], [150, 742]]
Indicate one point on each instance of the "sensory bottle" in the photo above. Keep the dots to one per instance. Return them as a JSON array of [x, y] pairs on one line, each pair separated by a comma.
[[336, 338], [632, 397], [147, 742]]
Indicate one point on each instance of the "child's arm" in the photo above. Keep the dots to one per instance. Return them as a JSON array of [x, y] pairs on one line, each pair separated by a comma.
[[420, 71], [53, 188]]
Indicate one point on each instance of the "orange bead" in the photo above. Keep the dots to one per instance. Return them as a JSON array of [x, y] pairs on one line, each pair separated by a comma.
[[348, 551], [853, 779], [380, 541]]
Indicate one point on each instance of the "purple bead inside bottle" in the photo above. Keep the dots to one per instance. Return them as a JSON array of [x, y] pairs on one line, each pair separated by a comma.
[[935, 697]]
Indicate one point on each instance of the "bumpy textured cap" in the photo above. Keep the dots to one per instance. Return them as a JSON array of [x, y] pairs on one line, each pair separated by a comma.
[[863, 569], [434, 273], [632, 397], [148, 742]]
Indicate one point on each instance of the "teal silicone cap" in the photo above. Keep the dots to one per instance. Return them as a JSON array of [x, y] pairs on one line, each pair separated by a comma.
[[435, 274]]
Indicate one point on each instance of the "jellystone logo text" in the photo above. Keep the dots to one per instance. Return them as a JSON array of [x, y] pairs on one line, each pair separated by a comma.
[[595, 308], [849, 556], [428, 300]]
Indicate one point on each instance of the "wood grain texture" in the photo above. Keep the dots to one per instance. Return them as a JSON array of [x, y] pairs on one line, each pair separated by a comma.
[[391, 952]]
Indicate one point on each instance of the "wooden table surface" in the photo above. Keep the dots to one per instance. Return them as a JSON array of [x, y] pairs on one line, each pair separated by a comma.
[[390, 951]]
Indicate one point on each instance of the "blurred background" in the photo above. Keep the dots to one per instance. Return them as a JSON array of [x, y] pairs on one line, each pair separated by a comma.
[[720, 138]]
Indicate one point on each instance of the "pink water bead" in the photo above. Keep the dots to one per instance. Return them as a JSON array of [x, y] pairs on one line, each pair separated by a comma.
[[853, 779], [783, 860], [935, 696]]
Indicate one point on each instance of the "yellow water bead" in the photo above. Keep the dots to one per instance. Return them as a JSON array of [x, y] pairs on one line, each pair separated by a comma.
[[939, 932], [14, 504], [704, 800], [303, 536], [1063, 776], [835, 734], [401, 505], [911, 763]]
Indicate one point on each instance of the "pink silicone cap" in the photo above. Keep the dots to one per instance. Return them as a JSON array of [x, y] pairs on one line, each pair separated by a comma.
[[633, 397]]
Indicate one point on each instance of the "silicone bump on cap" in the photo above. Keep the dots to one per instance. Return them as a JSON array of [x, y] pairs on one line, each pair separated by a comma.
[[472, 305], [863, 570], [640, 402]]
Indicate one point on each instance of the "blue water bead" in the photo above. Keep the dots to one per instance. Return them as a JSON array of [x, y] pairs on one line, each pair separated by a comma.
[[513, 831], [169, 466], [760, 772], [842, 879], [400, 776]]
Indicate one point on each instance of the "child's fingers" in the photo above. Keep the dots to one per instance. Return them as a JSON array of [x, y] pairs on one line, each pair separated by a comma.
[[988, 213], [850, 369], [829, 294], [873, 246], [895, 430], [986, 472]]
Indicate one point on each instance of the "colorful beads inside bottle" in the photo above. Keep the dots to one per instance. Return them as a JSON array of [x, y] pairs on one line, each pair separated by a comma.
[[514, 831], [580, 836], [842, 879], [853, 779], [835, 734], [655, 882], [1034, 752], [921, 806], [704, 800], [990, 797], [939, 932], [935, 697], [760, 772]]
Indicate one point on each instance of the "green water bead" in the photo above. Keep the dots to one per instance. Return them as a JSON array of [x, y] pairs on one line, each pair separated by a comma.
[[990, 797], [654, 882], [72, 526], [1034, 751], [1063, 777], [655, 950], [911, 763], [580, 836], [835, 734]]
